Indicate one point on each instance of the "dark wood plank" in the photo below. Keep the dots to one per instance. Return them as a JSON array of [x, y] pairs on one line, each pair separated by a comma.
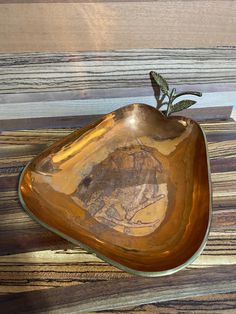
[[57, 122], [212, 113], [132, 291], [216, 304]]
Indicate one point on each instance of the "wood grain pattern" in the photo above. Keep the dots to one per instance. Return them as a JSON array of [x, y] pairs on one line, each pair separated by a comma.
[[90, 297], [217, 304], [207, 107], [66, 85], [27, 27], [113, 74], [35, 259], [203, 114]]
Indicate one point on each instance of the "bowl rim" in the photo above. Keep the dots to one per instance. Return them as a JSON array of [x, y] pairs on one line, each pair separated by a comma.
[[109, 260]]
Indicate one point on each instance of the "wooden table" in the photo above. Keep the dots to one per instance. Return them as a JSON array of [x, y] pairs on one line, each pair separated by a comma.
[[41, 272]]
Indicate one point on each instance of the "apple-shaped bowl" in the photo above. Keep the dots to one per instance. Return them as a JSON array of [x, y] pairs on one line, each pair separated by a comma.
[[133, 188]]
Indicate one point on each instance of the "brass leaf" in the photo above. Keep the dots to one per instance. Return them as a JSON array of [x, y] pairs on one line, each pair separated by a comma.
[[183, 104], [161, 82]]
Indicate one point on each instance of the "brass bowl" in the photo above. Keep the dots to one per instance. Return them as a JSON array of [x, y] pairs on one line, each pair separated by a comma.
[[133, 187]]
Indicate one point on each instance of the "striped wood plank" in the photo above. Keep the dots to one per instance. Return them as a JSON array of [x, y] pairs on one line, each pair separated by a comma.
[[67, 88], [120, 292], [116, 73], [215, 304]]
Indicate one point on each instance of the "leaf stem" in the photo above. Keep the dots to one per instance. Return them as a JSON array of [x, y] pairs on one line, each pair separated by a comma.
[[188, 93], [171, 98]]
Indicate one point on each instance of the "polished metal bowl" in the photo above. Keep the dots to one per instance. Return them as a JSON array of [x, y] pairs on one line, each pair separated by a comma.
[[133, 187]]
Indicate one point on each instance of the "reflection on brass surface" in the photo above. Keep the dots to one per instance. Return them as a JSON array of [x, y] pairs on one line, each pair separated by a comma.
[[120, 190], [132, 187]]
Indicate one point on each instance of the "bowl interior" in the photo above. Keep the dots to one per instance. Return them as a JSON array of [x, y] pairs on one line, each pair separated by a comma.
[[134, 187]]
